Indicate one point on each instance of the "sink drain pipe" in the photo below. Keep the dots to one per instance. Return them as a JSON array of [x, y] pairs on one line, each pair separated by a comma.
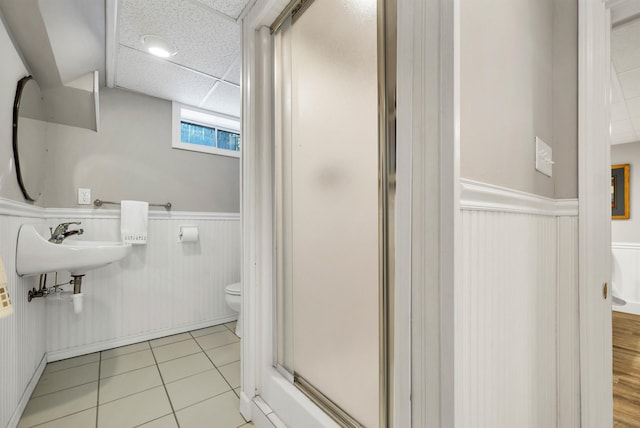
[[77, 293]]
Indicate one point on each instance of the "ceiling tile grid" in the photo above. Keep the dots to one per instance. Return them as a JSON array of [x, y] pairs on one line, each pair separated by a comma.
[[233, 74], [231, 8], [144, 73], [619, 112], [625, 52], [225, 98], [630, 83], [205, 41], [635, 122], [625, 82], [206, 35], [633, 107]]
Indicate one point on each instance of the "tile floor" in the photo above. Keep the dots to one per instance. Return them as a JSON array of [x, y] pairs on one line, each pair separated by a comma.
[[188, 380]]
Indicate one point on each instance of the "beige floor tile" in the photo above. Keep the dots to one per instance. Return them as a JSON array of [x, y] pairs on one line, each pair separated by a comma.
[[217, 339], [193, 389], [208, 330], [218, 412], [135, 409], [176, 350], [184, 367], [84, 419], [72, 362], [168, 421], [126, 363], [63, 379], [115, 387], [124, 350], [231, 326], [170, 339], [231, 373], [63, 403], [225, 354], [237, 391]]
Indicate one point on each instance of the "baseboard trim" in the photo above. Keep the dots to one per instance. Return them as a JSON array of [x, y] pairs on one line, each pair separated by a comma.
[[115, 343], [26, 395], [246, 406], [261, 414], [479, 196]]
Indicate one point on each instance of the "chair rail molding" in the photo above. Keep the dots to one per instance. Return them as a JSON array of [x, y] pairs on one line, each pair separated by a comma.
[[479, 196], [626, 245], [13, 208]]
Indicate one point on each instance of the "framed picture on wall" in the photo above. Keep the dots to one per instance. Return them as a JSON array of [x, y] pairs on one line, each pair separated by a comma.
[[620, 191]]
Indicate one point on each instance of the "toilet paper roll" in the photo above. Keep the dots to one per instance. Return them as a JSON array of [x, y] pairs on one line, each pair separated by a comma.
[[188, 234]]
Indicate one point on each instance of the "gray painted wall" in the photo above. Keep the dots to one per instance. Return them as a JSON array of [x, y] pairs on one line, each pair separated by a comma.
[[518, 81], [565, 98], [628, 230], [131, 158]]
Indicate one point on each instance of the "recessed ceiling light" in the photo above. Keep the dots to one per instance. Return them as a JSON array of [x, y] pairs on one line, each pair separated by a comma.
[[158, 46]]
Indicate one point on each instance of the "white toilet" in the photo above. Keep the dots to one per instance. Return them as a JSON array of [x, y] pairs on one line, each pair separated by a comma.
[[232, 296]]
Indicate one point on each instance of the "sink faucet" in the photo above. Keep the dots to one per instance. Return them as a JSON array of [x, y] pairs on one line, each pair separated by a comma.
[[62, 231]]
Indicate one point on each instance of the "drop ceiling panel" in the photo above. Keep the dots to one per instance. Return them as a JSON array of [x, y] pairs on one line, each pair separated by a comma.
[[225, 99], [625, 52], [624, 10], [619, 112], [231, 8], [623, 138], [630, 83], [144, 73], [635, 122], [621, 126], [633, 106], [205, 41], [616, 89], [233, 75]]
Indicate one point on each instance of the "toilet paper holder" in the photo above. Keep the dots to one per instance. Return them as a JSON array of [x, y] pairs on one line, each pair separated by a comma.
[[187, 233]]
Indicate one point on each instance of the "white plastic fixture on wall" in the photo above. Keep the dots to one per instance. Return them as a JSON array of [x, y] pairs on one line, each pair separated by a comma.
[[544, 157]]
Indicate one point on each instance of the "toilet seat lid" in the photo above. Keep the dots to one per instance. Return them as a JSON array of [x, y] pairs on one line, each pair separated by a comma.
[[233, 289]]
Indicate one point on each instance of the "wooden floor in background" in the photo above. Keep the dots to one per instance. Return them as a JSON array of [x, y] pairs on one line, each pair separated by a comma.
[[626, 370]]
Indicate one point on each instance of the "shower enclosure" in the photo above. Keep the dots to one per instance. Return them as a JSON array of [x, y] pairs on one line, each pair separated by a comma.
[[334, 197]]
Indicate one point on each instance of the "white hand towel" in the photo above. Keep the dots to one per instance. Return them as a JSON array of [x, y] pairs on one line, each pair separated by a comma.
[[134, 218]]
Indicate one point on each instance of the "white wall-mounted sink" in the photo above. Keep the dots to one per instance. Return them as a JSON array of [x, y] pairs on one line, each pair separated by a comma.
[[36, 255]]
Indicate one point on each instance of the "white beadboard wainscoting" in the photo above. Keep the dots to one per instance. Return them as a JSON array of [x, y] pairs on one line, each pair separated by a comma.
[[161, 288], [519, 314], [625, 280], [22, 335]]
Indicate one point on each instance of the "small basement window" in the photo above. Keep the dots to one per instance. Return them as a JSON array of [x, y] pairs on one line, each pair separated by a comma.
[[203, 131]]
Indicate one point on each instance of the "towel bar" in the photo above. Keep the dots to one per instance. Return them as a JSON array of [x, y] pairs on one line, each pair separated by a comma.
[[99, 202]]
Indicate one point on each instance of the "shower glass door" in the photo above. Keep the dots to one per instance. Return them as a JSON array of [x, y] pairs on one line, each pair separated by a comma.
[[327, 207]]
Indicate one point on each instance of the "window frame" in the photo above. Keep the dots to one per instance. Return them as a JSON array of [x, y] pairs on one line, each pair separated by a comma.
[[197, 116]]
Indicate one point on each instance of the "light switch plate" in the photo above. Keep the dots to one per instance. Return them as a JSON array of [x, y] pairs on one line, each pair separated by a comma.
[[84, 196], [544, 157]]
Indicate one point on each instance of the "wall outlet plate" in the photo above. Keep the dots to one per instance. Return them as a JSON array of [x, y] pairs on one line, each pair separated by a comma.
[[544, 157], [84, 196]]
